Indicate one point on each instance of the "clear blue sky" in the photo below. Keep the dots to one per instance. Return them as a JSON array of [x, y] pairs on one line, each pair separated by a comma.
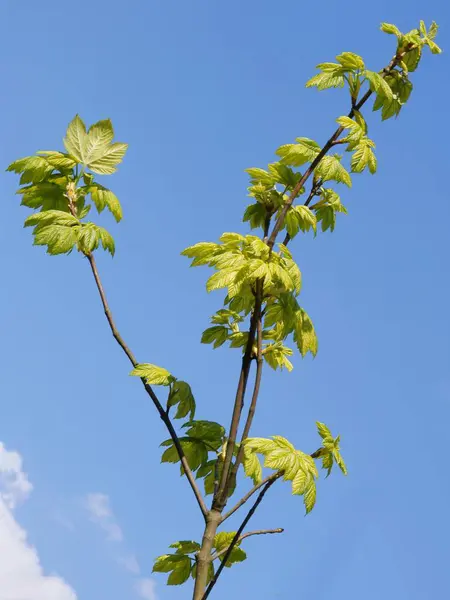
[[202, 90]]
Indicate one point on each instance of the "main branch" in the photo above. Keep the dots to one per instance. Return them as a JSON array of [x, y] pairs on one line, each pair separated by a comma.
[[162, 413]]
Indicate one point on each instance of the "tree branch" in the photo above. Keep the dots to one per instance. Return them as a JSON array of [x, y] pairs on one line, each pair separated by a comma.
[[235, 540], [246, 535], [270, 479], [310, 170], [256, 388], [220, 498], [162, 413]]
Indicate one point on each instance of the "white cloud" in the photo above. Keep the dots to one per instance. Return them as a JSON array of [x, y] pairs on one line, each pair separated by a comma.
[[100, 512], [130, 563], [21, 575], [146, 589], [14, 484]]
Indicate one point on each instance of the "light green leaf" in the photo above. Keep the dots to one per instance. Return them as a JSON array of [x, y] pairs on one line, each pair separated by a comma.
[[296, 155], [300, 482], [181, 394], [103, 197], [331, 169], [323, 430], [340, 461], [75, 139], [252, 466], [100, 135], [107, 164], [152, 374], [210, 432], [59, 239], [392, 29], [58, 160], [310, 495], [327, 462], [181, 572], [186, 546], [363, 157], [349, 60], [378, 84], [305, 334], [216, 335]]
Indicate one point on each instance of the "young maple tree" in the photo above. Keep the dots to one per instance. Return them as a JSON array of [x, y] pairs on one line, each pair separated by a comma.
[[260, 311]]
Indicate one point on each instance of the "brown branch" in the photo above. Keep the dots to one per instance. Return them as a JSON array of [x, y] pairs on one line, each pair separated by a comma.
[[310, 170], [162, 413], [256, 388], [246, 535], [235, 540], [314, 192], [220, 498], [270, 479]]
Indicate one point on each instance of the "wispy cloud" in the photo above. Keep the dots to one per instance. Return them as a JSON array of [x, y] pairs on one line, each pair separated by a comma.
[[145, 588], [99, 509], [21, 574], [130, 563], [100, 512]]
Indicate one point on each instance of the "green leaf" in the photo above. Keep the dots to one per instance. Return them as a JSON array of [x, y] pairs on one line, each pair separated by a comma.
[[152, 374], [310, 496], [48, 217], [349, 60], [208, 472], [364, 156], [186, 547], [195, 451], [58, 160], [327, 462], [331, 169], [75, 139], [332, 76], [100, 135], [412, 58], [216, 335], [181, 572], [300, 482], [378, 84], [323, 430], [113, 156], [392, 29], [284, 174], [305, 334], [255, 214], [252, 466], [209, 432], [340, 461], [181, 394], [260, 175], [59, 239], [103, 197], [296, 155]]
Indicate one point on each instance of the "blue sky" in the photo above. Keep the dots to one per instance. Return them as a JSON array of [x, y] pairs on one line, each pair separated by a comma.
[[202, 90]]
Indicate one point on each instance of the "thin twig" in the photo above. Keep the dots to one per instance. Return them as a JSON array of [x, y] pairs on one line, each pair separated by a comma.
[[162, 413], [310, 170], [256, 389], [220, 498], [270, 479], [235, 540], [246, 535], [314, 192]]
